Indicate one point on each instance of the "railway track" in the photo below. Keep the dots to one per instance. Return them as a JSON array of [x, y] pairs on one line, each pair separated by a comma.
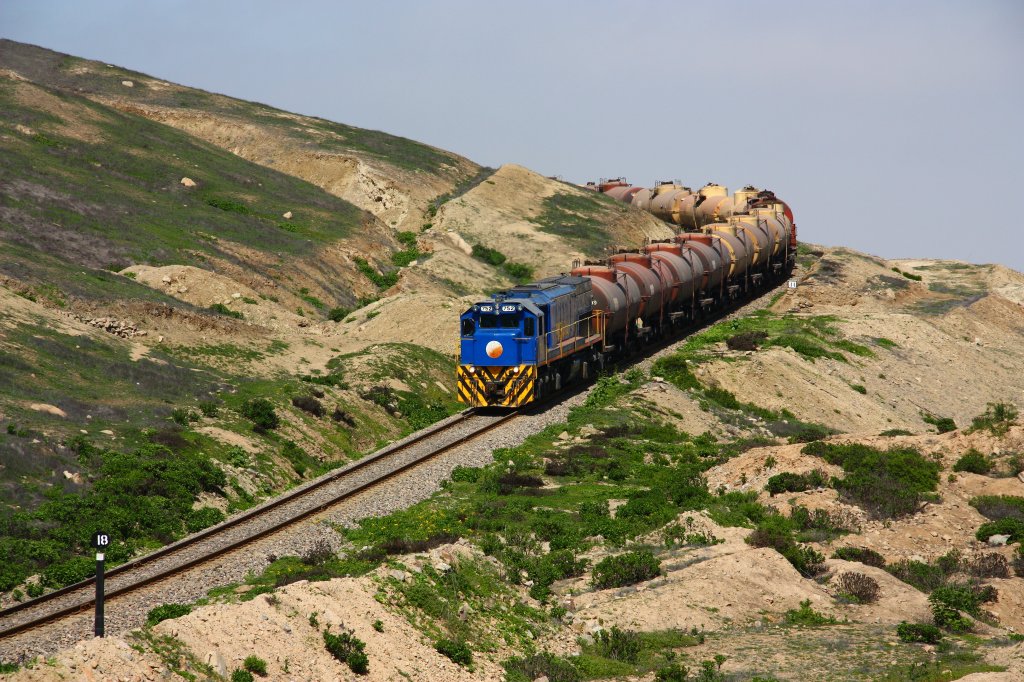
[[243, 530]]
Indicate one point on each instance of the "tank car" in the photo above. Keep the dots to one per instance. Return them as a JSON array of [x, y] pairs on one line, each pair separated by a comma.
[[531, 340]]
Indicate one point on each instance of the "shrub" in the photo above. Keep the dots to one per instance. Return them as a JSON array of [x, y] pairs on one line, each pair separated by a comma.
[[255, 665], [183, 417], [948, 618], [857, 587], [1008, 526], [222, 309], [997, 418], [810, 433], [776, 531], [518, 271], [807, 616], [488, 255], [1018, 562], [626, 569], [745, 340], [378, 625], [201, 518], [974, 462], [319, 554], [918, 632], [887, 483], [997, 507], [338, 314], [348, 649], [859, 388], [868, 557], [989, 565], [963, 596], [165, 611], [926, 576], [239, 675], [941, 424], [260, 412], [458, 652], [675, 370], [618, 645], [788, 482], [382, 281], [209, 408], [308, 403], [530, 668]]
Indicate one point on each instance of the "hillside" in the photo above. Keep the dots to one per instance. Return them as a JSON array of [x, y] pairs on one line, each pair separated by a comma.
[[171, 257], [685, 460]]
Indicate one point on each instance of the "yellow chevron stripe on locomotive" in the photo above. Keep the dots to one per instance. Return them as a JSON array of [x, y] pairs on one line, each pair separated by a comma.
[[497, 386]]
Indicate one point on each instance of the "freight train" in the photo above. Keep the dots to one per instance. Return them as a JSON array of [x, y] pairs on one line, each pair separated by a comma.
[[530, 341]]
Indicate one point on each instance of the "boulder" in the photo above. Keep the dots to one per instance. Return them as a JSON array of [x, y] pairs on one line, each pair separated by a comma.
[[188, 182]]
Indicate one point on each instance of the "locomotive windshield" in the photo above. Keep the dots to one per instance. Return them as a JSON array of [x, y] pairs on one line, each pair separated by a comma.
[[502, 321], [468, 327]]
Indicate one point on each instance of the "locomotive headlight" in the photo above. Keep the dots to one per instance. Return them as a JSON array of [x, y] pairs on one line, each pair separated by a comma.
[[471, 369], [515, 370]]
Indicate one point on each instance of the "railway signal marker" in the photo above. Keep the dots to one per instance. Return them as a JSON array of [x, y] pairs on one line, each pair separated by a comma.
[[100, 540]]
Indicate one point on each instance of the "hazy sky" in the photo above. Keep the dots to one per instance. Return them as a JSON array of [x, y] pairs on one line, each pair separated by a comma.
[[892, 127]]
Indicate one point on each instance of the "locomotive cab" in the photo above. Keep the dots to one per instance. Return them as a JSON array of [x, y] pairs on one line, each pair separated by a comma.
[[498, 352]]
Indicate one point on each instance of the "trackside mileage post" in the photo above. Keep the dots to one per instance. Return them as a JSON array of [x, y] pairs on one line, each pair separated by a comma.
[[100, 541]]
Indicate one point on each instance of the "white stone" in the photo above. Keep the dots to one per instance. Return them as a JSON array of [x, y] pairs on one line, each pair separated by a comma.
[[287, 215], [188, 182], [998, 540], [128, 84]]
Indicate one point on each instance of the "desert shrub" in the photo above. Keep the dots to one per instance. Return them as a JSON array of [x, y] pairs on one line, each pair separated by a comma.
[[918, 632], [1017, 561], [868, 557], [319, 554], [201, 518], [183, 417], [348, 649], [558, 564], [807, 616], [209, 408], [776, 531], [997, 418], [520, 272], [888, 483], [458, 652], [338, 314], [626, 569], [340, 415], [997, 507], [381, 280], [859, 388], [974, 462], [618, 645], [941, 424], [889, 433], [948, 618], [71, 570], [857, 587], [222, 309], [260, 412], [529, 668], [788, 482], [488, 255], [989, 565], [165, 611], [966, 597], [255, 665], [675, 370], [926, 576], [745, 340], [511, 482], [308, 403], [809, 433], [239, 675], [1007, 526]]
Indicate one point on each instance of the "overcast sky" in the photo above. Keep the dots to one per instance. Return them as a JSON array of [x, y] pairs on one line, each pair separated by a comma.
[[892, 127]]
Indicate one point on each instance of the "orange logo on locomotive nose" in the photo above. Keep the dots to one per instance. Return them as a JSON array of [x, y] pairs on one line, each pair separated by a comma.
[[494, 349]]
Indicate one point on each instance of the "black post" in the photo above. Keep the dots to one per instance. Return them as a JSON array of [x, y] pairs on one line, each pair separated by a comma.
[[99, 594]]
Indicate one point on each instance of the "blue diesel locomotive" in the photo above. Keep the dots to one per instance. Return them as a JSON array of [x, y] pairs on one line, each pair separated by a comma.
[[529, 340]]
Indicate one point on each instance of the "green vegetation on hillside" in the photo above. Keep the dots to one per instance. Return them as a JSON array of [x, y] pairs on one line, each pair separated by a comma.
[[580, 218]]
